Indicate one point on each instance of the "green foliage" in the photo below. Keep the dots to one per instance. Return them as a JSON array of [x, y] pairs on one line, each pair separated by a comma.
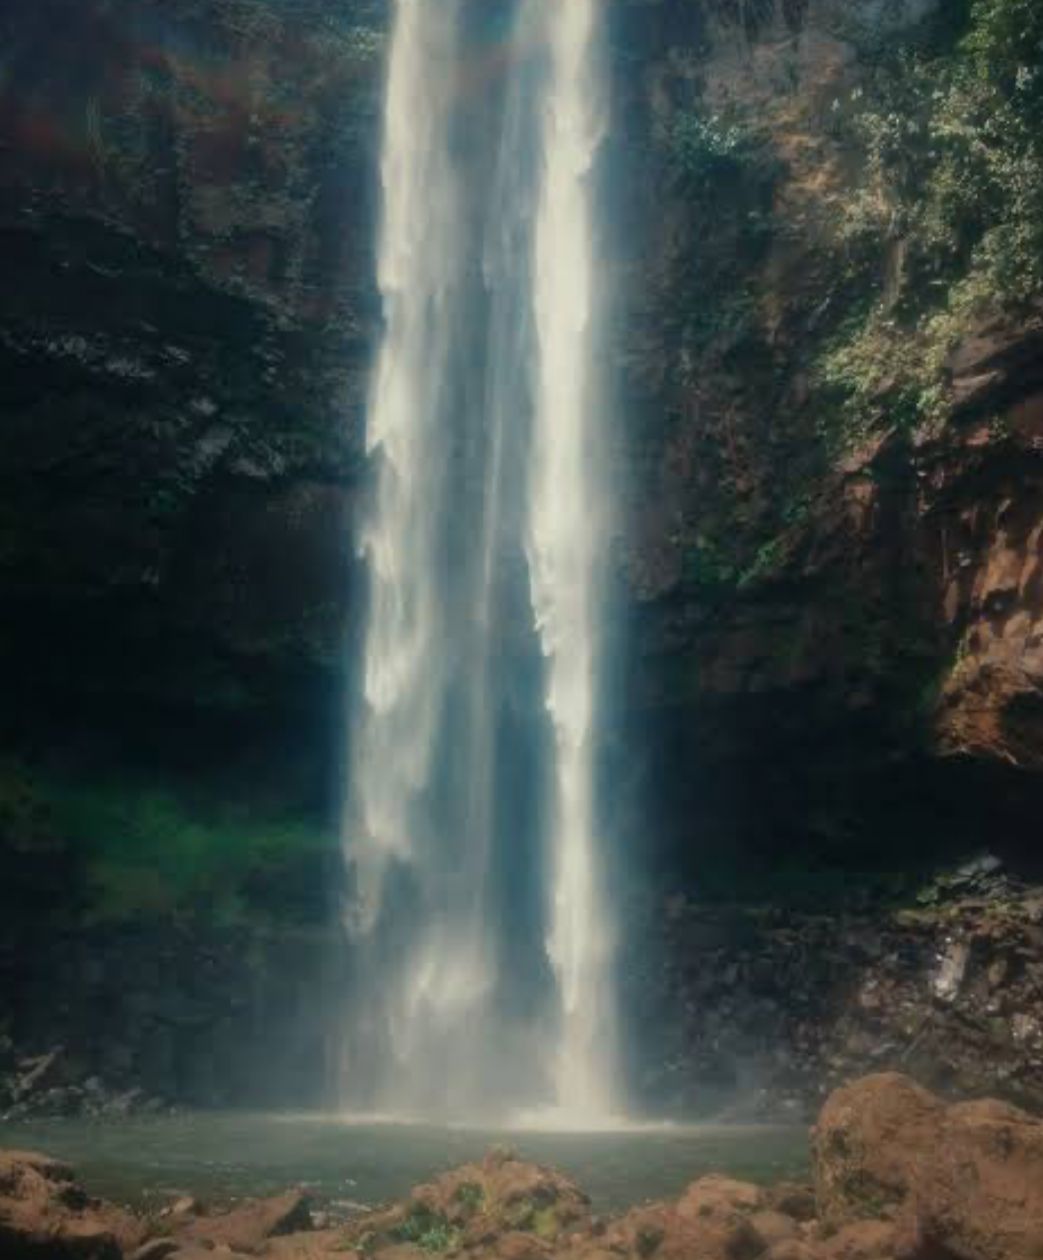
[[704, 148], [25, 821], [716, 567], [470, 1195], [545, 1224], [430, 1231], [727, 170], [767, 559], [366, 43], [711, 567], [148, 854], [947, 219], [534, 1216]]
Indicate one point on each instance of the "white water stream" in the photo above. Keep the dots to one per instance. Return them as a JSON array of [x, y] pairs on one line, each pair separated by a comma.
[[567, 527], [482, 934]]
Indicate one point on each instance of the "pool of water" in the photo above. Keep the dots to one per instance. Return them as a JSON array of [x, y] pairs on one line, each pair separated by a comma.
[[226, 1156]]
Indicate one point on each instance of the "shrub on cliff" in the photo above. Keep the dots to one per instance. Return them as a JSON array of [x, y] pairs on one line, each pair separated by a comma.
[[946, 222], [118, 852]]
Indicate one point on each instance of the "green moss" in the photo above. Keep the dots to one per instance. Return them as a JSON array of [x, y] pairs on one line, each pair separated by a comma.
[[149, 853], [430, 1231], [869, 1198], [704, 148], [470, 1196], [520, 1214], [545, 1224]]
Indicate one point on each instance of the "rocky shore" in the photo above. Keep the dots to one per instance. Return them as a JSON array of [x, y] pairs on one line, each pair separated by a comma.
[[898, 1174]]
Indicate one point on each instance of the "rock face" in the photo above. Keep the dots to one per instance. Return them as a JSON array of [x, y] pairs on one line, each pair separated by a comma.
[[853, 632], [117, 1020], [188, 229], [760, 1012]]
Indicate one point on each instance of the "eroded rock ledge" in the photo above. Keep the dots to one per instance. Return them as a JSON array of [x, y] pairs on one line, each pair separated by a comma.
[[898, 1175]]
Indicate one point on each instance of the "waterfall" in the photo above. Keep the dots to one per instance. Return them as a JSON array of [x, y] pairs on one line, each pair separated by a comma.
[[480, 930], [567, 527]]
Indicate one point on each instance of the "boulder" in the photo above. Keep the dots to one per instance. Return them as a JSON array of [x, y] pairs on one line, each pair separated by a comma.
[[45, 1214], [773, 1227], [863, 1240], [713, 1220], [870, 1143], [715, 1196], [791, 1249], [963, 1181], [246, 1228], [328, 1244], [157, 1249], [485, 1201], [792, 1199], [981, 1194]]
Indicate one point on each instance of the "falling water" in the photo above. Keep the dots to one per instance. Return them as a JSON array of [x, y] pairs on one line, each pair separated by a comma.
[[566, 531], [481, 934]]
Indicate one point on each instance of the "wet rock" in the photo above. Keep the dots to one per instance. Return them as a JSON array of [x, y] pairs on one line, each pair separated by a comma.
[[792, 1199], [37, 1074], [792, 1249], [247, 1227], [863, 1240], [156, 1249], [952, 967], [716, 1196], [946, 989], [773, 1228]]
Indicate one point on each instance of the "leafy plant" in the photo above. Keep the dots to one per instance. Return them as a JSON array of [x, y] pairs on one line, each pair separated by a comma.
[[428, 1230], [703, 147], [470, 1196], [148, 853], [946, 222]]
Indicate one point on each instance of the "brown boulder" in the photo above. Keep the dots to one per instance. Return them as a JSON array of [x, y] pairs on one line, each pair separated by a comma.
[[792, 1199], [773, 1227], [498, 1196], [520, 1246], [870, 1142], [247, 1228], [156, 1249], [792, 1249], [43, 1212], [960, 1181], [712, 1221], [714, 1196], [981, 1195], [325, 1244], [863, 1240]]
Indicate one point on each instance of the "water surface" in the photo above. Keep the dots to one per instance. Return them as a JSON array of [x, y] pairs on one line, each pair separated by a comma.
[[225, 1156]]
